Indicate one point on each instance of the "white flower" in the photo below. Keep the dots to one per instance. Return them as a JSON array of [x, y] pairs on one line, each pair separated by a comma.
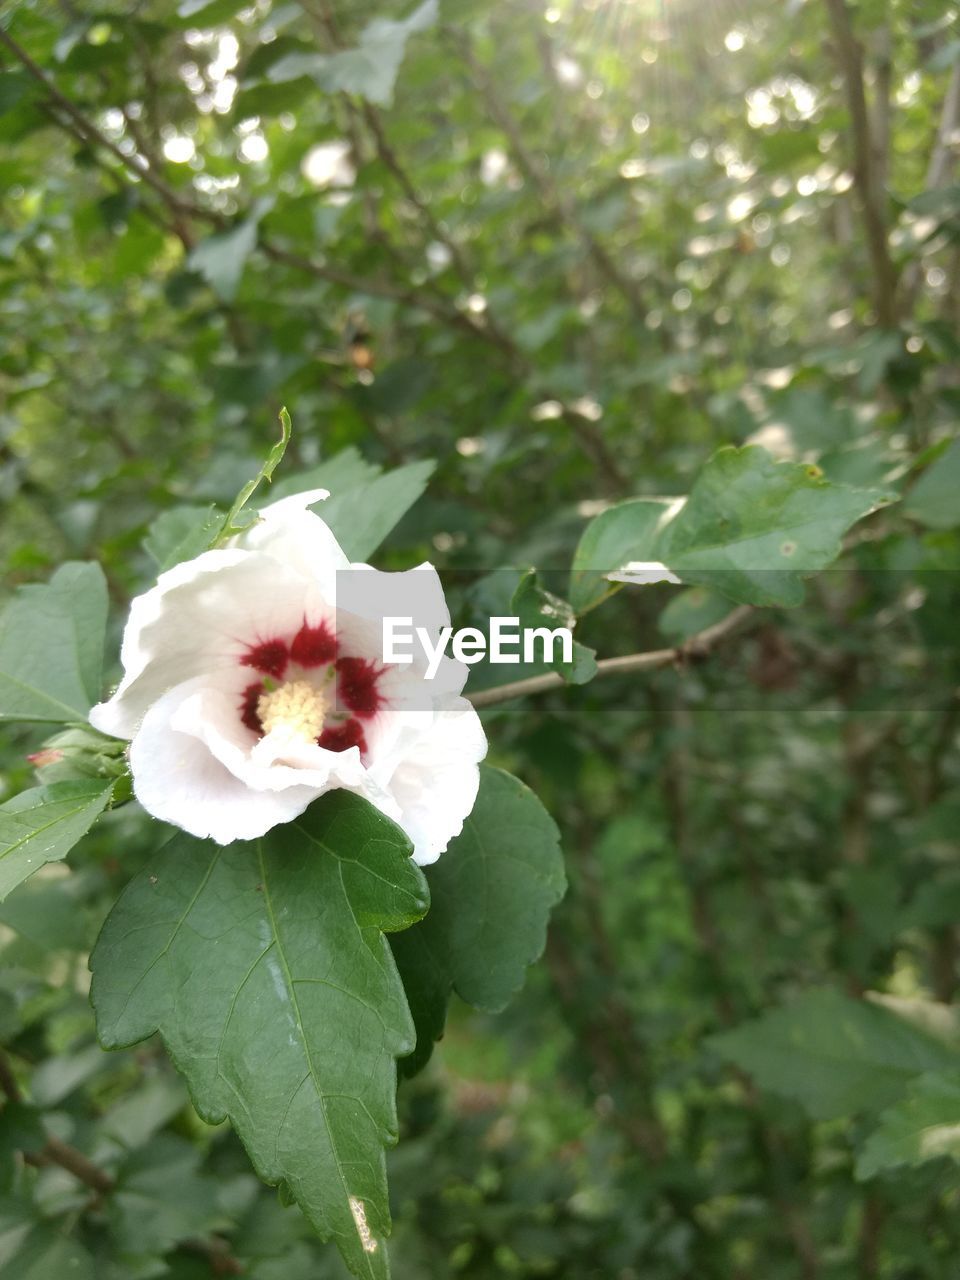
[[250, 689]]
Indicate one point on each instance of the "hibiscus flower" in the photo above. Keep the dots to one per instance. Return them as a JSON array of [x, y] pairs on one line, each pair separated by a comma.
[[250, 689]]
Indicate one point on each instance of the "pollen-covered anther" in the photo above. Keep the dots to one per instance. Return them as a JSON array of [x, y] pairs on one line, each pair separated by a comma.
[[296, 706]]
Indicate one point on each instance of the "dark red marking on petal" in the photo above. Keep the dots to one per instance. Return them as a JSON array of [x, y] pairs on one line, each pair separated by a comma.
[[357, 686], [248, 707], [340, 737], [313, 646], [269, 656]]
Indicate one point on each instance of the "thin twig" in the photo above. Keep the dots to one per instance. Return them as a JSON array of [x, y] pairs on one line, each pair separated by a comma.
[[698, 646], [869, 189], [55, 1151], [179, 208]]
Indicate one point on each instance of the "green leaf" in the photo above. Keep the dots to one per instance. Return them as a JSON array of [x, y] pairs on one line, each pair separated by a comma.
[[43, 824], [624, 532], [46, 912], [182, 534], [752, 527], [347, 469], [363, 507], [492, 892], [362, 518], [369, 70], [538, 608], [221, 257], [922, 1126], [934, 500], [51, 646], [835, 1055], [265, 970]]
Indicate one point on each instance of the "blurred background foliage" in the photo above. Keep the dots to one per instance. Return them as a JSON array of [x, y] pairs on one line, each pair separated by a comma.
[[566, 251]]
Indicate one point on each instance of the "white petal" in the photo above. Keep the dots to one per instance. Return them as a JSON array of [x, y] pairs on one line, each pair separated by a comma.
[[285, 508], [298, 538], [177, 778], [435, 783], [201, 617], [366, 596], [642, 573]]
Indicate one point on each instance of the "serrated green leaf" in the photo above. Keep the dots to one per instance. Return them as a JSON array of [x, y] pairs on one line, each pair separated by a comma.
[[934, 500], [182, 534], [265, 970], [370, 69], [752, 528], [492, 893], [43, 824], [51, 646], [922, 1126], [624, 532], [835, 1055]]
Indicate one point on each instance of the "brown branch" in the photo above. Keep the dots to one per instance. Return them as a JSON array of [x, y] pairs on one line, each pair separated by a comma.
[[866, 178], [698, 646], [74, 1161], [55, 1151], [180, 208], [89, 129], [433, 303]]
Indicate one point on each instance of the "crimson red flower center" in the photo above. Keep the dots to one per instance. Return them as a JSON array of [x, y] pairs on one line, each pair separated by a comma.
[[313, 655]]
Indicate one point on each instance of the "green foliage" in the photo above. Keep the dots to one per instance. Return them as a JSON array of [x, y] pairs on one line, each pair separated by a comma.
[[266, 972], [835, 1055], [363, 515], [923, 1125], [537, 608], [182, 533], [935, 499], [751, 529], [369, 70], [490, 903], [43, 824], [51, 646]]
